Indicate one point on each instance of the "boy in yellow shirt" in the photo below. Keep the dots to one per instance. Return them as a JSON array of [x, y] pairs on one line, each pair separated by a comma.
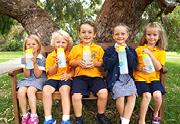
[[58, 79], [87, 76]]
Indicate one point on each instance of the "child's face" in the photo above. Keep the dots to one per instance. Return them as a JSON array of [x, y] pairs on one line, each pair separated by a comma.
[[32, 44], [86, 34], [60, 42], [152, 36], [120, 35]]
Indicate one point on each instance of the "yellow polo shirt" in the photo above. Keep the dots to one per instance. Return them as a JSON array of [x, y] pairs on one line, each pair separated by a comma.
[[51, 60], [160, 55], [96, 54]]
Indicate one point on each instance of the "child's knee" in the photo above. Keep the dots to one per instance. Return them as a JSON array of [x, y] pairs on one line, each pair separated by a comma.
[[102, 94], [65, 89], [22, 91], [157, 96], [147, 96], [76, 97]]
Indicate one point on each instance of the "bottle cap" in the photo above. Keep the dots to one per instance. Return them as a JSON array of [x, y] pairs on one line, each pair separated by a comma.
[[144, 55], [29, 51], [60, 50], [86, 48], [121, 48]]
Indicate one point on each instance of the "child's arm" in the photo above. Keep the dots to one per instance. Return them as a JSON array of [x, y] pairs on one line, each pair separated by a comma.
[[66, 76], [156, 63], [36, 70], [53, 70], [144, 69], [132, 58], [110, 58], [26, 71]]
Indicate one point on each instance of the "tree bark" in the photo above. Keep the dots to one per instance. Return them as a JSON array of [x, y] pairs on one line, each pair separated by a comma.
[[33, 18], [114, 12]]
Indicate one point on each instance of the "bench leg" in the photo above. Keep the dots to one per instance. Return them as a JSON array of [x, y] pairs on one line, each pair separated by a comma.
[[15, 100], [162, 109]]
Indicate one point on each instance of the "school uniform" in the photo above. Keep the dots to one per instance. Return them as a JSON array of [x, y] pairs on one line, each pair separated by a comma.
[[86, 80], [120, 84], [32, 80], [54, 80], [149, 82]]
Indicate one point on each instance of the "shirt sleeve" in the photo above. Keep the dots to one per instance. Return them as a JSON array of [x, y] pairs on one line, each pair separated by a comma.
[[162, 57], [101, 53], [41, 63], [72, 55], [22, 63], [49, 62]]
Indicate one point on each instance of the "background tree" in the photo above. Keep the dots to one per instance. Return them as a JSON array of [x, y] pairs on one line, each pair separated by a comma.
[[67, 14]]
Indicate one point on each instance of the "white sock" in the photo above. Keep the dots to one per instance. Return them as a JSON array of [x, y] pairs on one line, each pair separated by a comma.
[[34, 115], [48, 117], [125, 121], [26, 115], [121, 118], [65, 117]]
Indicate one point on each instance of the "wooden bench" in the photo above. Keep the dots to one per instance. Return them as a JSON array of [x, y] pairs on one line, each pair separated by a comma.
[[56, 95]]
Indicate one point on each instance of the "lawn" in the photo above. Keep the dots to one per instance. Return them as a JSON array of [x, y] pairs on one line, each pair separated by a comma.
[[171, 112], [5, 56], [11, 54]]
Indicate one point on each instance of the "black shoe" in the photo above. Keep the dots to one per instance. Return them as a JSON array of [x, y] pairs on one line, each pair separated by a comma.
[[78, 122], [104, 120]]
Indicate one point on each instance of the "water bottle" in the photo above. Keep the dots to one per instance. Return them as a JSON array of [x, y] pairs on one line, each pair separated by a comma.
[[61, 57], [122, 60], [86, 54], [147, 61], [29, 63]]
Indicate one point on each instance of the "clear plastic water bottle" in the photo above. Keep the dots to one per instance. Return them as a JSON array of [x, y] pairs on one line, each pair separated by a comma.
[[61, 57], [147, 61], [86, 54], [122, 60], [29, 63]]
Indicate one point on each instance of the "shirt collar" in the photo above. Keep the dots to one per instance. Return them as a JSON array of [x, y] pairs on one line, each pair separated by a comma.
[[39, 56], [92, 43], [117, 45], [155, 48]]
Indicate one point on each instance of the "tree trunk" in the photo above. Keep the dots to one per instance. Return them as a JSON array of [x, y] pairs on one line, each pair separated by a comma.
[[114, 12], [34, 19]]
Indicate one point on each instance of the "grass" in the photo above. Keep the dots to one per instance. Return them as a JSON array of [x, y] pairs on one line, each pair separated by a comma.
[[11, 54], [5, 56], [171, 109], [175, 54]]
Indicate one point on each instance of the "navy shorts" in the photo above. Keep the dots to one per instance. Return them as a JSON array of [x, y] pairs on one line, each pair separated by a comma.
[[143, 87], [57, 83], [85, 85]]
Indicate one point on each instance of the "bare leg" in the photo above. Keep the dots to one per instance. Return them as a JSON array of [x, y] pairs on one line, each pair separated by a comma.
[[65, 95], [157, 102], [77, 104], [47, 99], [23, 99], [120, 105], [129, 107], [31, 93], [102, 100], [144, 106]]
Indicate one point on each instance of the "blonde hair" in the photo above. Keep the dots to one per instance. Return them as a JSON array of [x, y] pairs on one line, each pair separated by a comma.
[[65, 35], [38, 41], [161, 42]]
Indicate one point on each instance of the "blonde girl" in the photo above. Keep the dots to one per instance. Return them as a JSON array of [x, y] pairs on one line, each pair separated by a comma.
[[153, 44], [33, 81]]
